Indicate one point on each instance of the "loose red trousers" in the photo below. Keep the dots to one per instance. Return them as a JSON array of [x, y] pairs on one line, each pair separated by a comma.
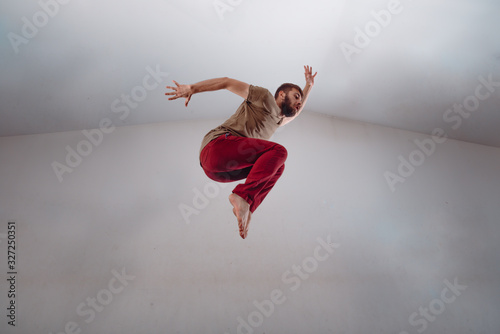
[[231, 158]]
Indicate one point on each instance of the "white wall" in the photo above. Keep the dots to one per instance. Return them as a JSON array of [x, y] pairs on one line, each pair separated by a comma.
[[393, 253]]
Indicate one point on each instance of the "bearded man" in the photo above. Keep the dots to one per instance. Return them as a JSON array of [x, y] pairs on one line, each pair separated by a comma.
[[240, 148]]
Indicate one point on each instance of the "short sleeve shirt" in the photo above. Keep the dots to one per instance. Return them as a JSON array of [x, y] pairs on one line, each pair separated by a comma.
[[257, 117]]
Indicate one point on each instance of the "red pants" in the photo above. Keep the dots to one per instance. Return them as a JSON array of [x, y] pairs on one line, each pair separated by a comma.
[[230, 158]]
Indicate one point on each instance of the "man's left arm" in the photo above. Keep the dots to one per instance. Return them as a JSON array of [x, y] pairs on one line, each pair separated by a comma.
[[307, 89]]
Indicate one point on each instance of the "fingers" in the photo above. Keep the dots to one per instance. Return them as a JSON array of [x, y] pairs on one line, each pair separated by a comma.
[[172, 98], [308, 73], [179, 91], [174, 88], [171, 93], [175, 91], [308, 70]]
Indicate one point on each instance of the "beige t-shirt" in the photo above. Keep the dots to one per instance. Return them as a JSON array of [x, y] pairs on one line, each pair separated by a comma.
[[257, 117]]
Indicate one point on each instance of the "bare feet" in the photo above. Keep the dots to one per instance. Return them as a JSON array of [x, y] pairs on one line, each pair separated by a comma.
[[241, 210]]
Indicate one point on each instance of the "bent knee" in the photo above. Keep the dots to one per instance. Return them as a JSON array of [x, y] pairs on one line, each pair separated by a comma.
[[281, 151]]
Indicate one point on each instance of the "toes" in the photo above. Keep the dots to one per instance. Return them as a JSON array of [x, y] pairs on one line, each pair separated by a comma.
[[243, 227]]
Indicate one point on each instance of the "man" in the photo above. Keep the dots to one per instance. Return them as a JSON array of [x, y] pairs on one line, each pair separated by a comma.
[[239, 148]]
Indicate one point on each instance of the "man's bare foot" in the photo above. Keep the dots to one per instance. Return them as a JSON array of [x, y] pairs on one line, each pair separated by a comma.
[[241, 210], [248, 222]]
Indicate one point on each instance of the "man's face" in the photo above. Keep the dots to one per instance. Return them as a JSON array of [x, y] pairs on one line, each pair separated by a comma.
[[292, 103]]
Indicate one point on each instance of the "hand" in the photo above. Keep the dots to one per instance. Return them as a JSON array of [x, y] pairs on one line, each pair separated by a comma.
[[180, 91], [309, 76]]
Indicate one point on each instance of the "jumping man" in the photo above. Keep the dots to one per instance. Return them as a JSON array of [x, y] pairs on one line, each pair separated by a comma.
[[240, 147]]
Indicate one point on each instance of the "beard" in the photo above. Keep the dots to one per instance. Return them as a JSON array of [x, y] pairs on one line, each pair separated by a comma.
[[287, 109]]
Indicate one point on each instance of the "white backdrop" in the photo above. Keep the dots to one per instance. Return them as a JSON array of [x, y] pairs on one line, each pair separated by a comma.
[[136, 239]]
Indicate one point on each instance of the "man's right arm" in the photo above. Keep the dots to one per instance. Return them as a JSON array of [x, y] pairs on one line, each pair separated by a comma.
[[186, 91]]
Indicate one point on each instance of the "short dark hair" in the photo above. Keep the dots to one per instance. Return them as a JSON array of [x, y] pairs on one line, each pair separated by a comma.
[[286, 87]]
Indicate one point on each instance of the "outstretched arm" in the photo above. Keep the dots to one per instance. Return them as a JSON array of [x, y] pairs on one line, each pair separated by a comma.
[[186, 91], [307, 89]]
